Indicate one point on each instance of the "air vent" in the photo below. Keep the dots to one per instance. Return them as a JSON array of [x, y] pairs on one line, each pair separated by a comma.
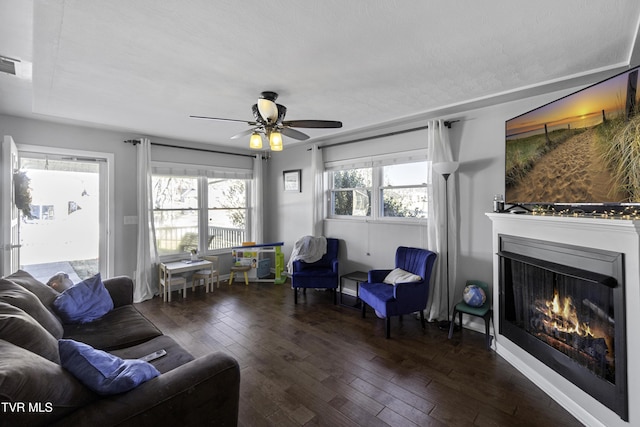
[[8, 65]]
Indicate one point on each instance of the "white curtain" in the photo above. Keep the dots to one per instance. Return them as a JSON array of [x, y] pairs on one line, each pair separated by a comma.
[[257, 201], [317, 202], [439, 150], [145, 280]]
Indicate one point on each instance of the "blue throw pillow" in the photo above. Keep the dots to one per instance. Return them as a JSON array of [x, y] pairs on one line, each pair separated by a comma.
[[103, 372], [84, 302]]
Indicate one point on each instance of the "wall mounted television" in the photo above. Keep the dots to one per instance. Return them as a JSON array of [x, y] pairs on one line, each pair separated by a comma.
[[581, 151]]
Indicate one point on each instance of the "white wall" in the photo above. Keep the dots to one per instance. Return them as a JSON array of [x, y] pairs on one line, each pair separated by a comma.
[[36, 132], [480, 138], [477, 142], [372, 244], [287, 214]]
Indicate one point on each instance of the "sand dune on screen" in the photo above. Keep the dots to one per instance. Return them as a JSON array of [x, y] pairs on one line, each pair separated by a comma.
[[571, 173]]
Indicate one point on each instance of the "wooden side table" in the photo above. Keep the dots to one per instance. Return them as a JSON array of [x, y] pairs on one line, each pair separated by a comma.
[[358, 277]]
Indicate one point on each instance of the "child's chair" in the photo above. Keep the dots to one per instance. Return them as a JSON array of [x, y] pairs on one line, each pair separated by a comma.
[[207, 274]]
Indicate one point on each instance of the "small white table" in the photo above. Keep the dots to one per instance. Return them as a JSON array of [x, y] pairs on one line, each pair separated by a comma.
[[168, 269]]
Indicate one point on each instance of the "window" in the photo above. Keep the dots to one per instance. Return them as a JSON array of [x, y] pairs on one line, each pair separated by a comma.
[[175, 213], [196, 212], [385, 188], [404, 190], [45, 212], [71, 209], [351, 192], [227, 213]]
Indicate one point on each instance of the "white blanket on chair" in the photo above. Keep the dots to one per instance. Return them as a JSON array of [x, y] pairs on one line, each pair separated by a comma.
[[308, 249]]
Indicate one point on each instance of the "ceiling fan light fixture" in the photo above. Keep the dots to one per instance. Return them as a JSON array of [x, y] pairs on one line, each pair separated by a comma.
[[255, 142], [275, 141], [268, 110], [269, 122]]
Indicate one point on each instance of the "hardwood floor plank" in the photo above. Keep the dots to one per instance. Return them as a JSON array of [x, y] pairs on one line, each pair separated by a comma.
[[394, 419], [281, 401], [250, 417], [393, 396], [320, 364], [354, 395], [326, 414], [360, 416], [279, 419]]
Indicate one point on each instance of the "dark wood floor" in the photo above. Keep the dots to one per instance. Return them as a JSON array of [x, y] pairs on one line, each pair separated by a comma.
[[322, 364]]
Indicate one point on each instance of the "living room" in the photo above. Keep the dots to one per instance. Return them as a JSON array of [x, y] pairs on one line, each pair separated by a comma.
[[477, 138]]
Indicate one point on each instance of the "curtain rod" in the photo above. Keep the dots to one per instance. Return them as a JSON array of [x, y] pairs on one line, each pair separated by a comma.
[[136, 142], [447, 123]]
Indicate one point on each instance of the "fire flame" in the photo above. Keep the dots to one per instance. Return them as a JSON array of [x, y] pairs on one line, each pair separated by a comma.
[[564, 317]]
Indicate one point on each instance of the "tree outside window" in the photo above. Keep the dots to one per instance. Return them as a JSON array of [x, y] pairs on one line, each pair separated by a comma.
[[404, 190], [187, 219], [351, 193], [227, 212], [175, 213], [401, 189]]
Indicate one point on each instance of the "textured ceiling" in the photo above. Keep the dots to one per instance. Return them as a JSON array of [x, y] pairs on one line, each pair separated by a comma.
[[144, 66]]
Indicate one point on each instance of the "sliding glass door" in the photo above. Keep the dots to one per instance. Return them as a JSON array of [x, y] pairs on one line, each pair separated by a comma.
[[68, 226]]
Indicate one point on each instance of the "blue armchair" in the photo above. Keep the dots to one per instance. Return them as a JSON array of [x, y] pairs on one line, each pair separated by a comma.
[[403, 297], [319, 274]]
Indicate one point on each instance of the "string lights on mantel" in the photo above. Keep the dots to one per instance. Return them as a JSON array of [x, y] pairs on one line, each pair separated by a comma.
[[621, 212]]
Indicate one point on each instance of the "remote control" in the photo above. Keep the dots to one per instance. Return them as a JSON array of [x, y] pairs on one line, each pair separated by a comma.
[[153, 356]]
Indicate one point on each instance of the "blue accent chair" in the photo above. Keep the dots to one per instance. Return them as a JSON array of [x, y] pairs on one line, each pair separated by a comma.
[[401, 298], [319, 274]]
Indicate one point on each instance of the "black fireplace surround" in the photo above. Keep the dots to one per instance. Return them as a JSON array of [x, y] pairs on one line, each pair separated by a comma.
[[565, 306]]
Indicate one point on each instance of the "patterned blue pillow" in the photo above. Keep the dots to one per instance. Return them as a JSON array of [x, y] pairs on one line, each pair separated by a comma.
[[84, 302], [103, 372]]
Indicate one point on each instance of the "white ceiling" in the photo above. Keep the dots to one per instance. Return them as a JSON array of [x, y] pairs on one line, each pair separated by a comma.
[[144, 66]]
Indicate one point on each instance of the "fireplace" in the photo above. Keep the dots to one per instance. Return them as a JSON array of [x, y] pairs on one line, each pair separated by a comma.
[[565, 305]]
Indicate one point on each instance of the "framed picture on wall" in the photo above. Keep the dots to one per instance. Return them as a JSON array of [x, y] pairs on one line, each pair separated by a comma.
[[292, 180]]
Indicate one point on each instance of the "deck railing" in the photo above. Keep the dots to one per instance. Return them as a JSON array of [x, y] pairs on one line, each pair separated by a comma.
[[183, 239]]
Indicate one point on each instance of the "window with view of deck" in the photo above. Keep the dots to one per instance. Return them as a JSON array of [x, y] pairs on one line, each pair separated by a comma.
[[199, 213]]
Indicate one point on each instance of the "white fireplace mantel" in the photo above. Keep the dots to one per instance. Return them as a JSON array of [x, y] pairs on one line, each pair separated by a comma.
[[618, 235]]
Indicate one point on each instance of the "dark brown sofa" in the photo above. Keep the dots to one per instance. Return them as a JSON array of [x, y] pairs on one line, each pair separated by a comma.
[[35, 390]]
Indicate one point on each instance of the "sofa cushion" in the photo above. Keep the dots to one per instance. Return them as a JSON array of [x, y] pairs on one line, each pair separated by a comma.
[[176, 355], [84, 302], [18, 296], [27, 377], [121, 327], [121, 290], [19, 328], [398, 275], [45, 294], [103, 372]]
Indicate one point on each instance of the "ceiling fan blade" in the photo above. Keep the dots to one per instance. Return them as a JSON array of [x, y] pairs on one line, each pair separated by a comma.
[[225, 120], [313, 124], [245, 133], [295, 134]]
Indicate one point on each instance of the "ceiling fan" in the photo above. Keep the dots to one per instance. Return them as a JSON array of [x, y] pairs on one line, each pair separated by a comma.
[[269, 121]]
